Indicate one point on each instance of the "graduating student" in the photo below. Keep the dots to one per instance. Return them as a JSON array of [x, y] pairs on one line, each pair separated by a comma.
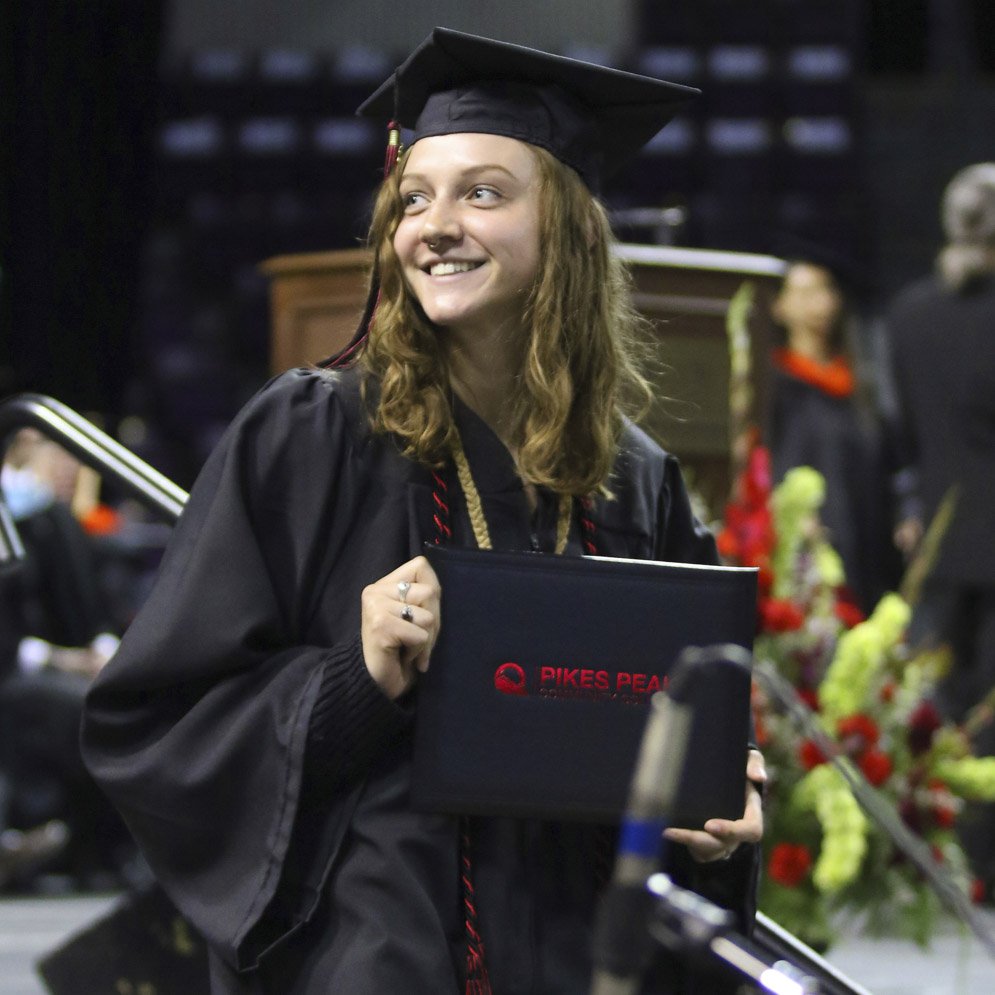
[[821, 413], [255, 726]]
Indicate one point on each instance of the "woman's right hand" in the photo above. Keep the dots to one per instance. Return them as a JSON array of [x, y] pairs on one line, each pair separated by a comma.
[[397, 650]]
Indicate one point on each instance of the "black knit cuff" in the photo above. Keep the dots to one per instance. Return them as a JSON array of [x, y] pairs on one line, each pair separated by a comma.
[[352, 721]]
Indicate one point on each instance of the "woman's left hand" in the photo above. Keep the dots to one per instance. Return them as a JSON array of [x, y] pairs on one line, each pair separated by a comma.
[[720, 837]]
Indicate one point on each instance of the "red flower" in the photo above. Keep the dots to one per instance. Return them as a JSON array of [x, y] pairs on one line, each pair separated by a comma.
[[860, 725], [810, 696], [876, 765], [748, 536], [757, 478], [848, 613], [750, 533], [944, 816], [810, 755], [888, 691], [978, 891], [943, 810], [923, 723], [780, 615], [728, 544], [789, 863]]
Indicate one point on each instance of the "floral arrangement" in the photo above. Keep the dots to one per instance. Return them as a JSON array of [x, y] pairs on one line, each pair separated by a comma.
[[868, 691]]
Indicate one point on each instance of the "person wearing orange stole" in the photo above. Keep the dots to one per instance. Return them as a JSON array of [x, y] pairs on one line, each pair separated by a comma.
[[820, 414]]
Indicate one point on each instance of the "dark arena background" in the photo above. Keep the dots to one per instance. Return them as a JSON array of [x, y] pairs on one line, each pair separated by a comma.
[[154, 154]]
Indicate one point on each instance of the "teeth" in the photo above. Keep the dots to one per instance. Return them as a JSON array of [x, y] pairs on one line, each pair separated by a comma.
[[445, 269]]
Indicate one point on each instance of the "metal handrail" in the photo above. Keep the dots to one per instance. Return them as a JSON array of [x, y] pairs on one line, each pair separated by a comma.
[[90, 446], [777, 943]]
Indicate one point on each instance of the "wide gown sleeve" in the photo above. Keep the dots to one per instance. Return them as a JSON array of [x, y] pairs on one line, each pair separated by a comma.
[[197, 728]]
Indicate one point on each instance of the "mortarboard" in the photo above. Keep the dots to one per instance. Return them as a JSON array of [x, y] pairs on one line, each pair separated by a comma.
[[591, 117], [795, 248]]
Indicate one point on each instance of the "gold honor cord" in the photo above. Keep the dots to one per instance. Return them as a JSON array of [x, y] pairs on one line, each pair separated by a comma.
[[476, 509]]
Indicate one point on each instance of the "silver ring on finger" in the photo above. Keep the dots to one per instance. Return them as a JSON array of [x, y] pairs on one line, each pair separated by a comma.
[[408, 613], [403, 586]]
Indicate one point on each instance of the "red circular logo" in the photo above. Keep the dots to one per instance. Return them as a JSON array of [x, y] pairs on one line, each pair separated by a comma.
[[509, 678]]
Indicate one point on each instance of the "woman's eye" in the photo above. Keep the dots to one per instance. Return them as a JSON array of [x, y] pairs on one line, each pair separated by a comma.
[[412, 200], [484, 194]]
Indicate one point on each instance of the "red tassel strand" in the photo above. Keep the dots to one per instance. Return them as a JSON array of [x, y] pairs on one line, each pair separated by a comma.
[[393, 148], [443, 530], [587, 526], [477, 980]]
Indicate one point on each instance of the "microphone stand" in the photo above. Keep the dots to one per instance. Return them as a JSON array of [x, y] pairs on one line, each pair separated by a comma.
[[641, 907], [622, 944]]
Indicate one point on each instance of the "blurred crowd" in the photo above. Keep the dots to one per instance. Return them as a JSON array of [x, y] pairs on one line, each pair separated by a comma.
[[62, 610]]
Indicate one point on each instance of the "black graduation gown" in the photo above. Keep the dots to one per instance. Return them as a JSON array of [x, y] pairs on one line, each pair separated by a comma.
[[809, 427], [944, 369], [264, 773]]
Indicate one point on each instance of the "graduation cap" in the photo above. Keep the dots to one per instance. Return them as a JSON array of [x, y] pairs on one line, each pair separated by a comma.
[[588, 116], [794, 248]]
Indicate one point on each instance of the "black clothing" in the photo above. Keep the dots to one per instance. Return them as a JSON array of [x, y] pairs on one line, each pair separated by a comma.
[[943, 353], [54, 594], [809, 427], [10, 636], [264, 772]]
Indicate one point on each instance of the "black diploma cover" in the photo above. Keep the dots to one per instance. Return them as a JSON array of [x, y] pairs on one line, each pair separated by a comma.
[[538, 689]]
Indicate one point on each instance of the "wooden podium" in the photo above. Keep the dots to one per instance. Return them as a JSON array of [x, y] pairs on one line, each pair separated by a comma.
[[317, 299]]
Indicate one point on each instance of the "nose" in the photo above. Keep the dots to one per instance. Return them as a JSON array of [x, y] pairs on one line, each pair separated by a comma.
[[440, 224]]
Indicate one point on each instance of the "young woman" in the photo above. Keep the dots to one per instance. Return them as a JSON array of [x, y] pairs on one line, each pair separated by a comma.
[[255, 726]]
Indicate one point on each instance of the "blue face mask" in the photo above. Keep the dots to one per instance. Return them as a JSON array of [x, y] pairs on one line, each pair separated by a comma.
[[24, 493]]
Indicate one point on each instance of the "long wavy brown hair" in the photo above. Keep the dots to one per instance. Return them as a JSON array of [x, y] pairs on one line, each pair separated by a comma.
[[582, 346]]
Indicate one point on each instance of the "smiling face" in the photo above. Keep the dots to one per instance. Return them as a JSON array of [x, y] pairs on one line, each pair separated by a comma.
[[468, 241]]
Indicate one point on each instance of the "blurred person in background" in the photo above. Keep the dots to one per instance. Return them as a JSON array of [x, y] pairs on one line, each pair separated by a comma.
[[941, 335], [822, 414], [57, 635]]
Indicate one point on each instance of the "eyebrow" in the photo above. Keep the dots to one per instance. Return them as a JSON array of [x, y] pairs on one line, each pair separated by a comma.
[[468, 172]]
